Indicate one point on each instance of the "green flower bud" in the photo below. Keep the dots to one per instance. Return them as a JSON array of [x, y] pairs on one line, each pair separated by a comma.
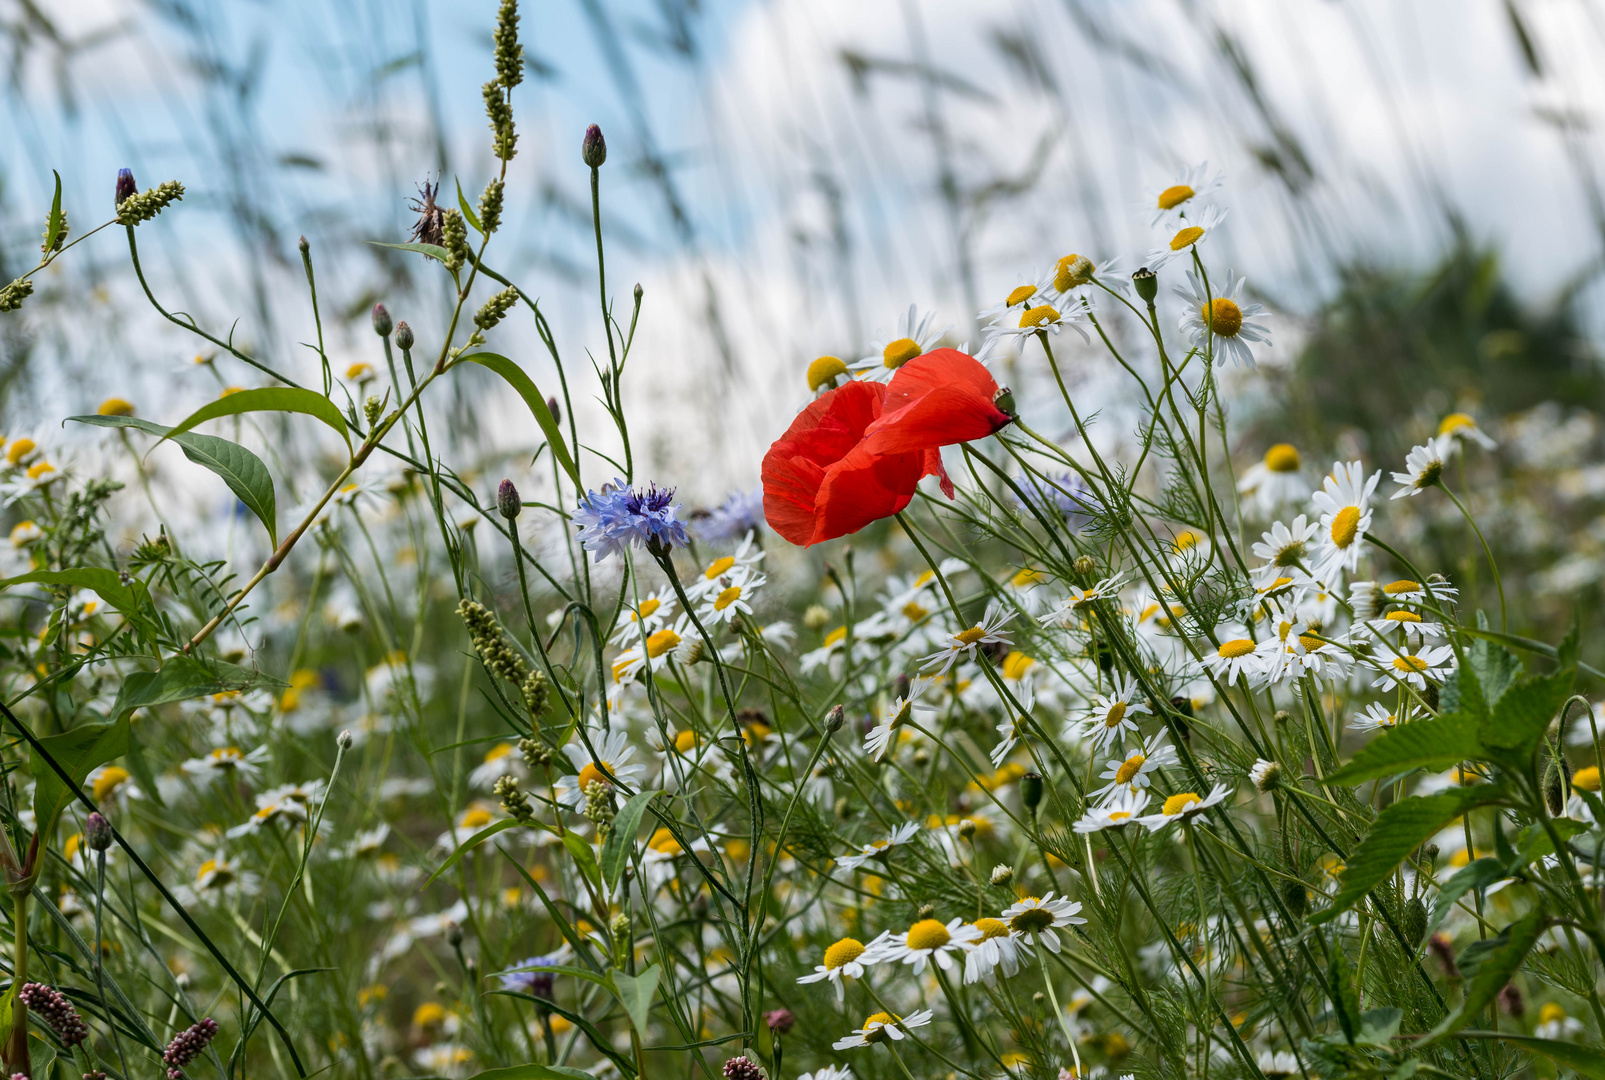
[[1147, 283], [593, 150], [403, 336], [1031, 791], [1297, 898], [381, 320]]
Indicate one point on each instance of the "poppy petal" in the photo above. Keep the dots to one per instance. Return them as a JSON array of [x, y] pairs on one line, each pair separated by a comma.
[[938, 399]]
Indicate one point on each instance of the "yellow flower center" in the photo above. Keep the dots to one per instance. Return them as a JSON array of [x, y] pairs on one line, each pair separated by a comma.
[[1409, 663], [1041, 315], [900, 352], [1186, 238], [1222, 316], [19, 449], [913, 612], [1231, 650], [1119, 815], [477, 818], [648, 608], [1310, 641], [1024, 577], [685, 741], [928, 934], [1186, 540], [842, 952], [886, 1020], [970, 636], [1586, 778], [40, 468], [824, 369], [1020, 295], [1283, 457], [116, 406], [1456, 421], [429, 1014], [838, 634], [109, 780], [1550, 1013], [1129, 769], [1179, 802], [719, 566], [991, 928], [664, 843], [593, 773], [1402, 616], [661, 642], [1015, 664], [1174, 196], [1401, 588], [1345, 525], [1116, 713], [1073, 270], [1033, 920], [727, 597]]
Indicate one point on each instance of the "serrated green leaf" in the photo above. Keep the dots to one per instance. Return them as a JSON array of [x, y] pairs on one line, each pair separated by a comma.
[[1345, 1002], [468, 211], [1588, 1061], [1523, 712], [1495, 667], [1487, 967], [520, 381], [621, 841], [53, 223], [240, 469], [79, 752], [1397, 831], [132, 600], [532, 1072], [470, 844], [1421, 744], [1379, 1026], [635, 993], [434, 251], [1475, 875], [181, 678], [267, 399]]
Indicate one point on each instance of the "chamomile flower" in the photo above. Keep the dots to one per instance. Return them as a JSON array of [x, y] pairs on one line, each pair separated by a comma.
[[741, 562], [219, 878], [287, 803], [653, 613], [994, 948], [1111, 714], [1376, 718], [1235, 657], [876, 849], [1423, 468], [1032, 920], [1071, 611], [25, 533], [732, 600], [1553, 1023], [1014, 723], [1184, 805], [1409, 625], [1189, 234], [882, 736], [841, 961], [963, 645], [1417, 669], [1025, 294], [227, 761], [1405, 591], [1345, 504], [1459, 426], [1012, 329], [1130, 773], [1184, 196], [1276, 480], [500, 760], [1117, 812], [879, 1027], [1223, 322], [829, 1072], [659, 649], [1073, 276], [916, 335], [928, 941], [1277, 1066], [612, 765], [1285, 548]]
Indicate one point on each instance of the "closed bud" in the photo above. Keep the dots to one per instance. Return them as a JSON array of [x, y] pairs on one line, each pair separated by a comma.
[[1039, 999], [381, 320], [922, 757], [781, 1020], [403, 336], [1297, 898], [1031, 791], [551, 407], [967, 829], [372, 408], [1147, 284], [593, 151], [454, 935], [97, 832], [837, 717], [1004, 400], [927, 911], [1413, 922], [1555, 789], [125, 185], [508, 504], [1281, 717], [901, 686], [639, 292], [1084, 565], [1002, 875], [1510, 999], [345, 740]]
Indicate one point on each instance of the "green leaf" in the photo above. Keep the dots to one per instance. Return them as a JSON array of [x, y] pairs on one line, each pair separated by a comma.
[[181, 678], [240, 469], [1420, 744], [584, 857], [267, 399], [621, 841], [1586, 1060], [1345, 1003], [1474, 876], [1523, 712], [520, 381], [1379, 1026], [1487, 967], [635, 992], [54, 222], [470, 844], [565, 969], [1533, 842], [78, 752], [468, 211], [532, 1072], [434, 251], [131, 600], [1494, 666], [1397, 831]]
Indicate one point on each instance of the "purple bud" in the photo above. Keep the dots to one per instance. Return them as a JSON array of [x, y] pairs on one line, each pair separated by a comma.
[[381, 320], [403, 336], [508, 504], [551, 407], [125, 185], [97, 831], [187, 1046], [593, 151], [781, 1020], [52, 1006]]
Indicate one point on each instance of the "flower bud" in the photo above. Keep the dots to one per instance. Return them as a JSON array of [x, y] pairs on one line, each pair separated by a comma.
[[593, 151], [1084, 565], [1297, 898], [1004, 400], [901, 687], [639, 292], [508, 504], [837, 717], [303, 247], [381, 320], [372, 409], [967, 829], [1555, 778], [557, 413], [781, 1020], [454, 935], [927, 911], [125, 185], [97, 832], [1267, 775], [345, 739], [1281, 717], [403, 336], [1147, 284], [1031, 791], [816, 617], [1002, 875]]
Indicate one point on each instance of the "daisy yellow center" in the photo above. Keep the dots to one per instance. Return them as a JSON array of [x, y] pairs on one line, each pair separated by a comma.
[[991, 928], [41, 468], [218, 872], [116, 406], [592, 773], [900, 352], [685, 741], [970, 636], [429, 1014], [109, 780], [719, 566], [727, 597], [476, 818], [1283, 629], [1231, 650], [1174, 196], [1024, 577], [499, 751], [1400, 588], [1015, 664], [1073, 270], [1402, 616], [824, 369], [1186, 540], [664, 843], [880, 1021], [1021, 294], [1388, 720], [1129, 769], [1033, 920], [1409, 663], [1586, 778], [842, 952], [1456, 421], [1179, 802], [1119, 815], [1116, 713], [1283, 457], [649, 607], [1310, 641], [838, 634], [1041, 315], [928, 934], [19, 449], [1550, 1013], [1186, 238], [1345, 526], [913, 612], [661, 642], [1222, 316]]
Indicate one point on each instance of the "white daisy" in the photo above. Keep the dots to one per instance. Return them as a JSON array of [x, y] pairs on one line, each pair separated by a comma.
[[660, 649], [1131, 772], [963, 645], [1460, 426], [744, 559], [501, 760], [1345, 505], [1111, 714], [732, 600], [612, 766], [1276, 480], [928, 941], [1277, 1066], [883, 735], [1186, 194], [653, 614], [1012, 330], [1031, 920], [916, 334], [882, 1026], [829, 1072], [876, 849], [1377, 718], [1013, 725], [1024, 295], [1423, 467], [1068, 612], [1410, 626], [1119, 811], [1285, 548], [994, 948], [1194, 231], [1405, 591], [1235, 657], [227, 761], [1184, 805], [1073, 276], [1417, 669], [1223, 323]]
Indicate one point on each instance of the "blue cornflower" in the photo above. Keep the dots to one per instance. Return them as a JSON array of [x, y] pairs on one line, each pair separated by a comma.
[[535, 983], [732, 519], [1064, 494], [617, 516]]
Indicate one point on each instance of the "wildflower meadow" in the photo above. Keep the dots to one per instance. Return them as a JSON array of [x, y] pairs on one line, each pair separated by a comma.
[[968, 743]]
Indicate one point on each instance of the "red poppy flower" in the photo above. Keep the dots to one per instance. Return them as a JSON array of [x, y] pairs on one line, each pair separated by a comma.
[[819, 482], [938, 399]]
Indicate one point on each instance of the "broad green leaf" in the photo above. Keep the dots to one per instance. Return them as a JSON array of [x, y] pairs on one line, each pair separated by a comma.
[[468, 210], [1397, 831], [1420, 744], [181, 678], [520, 381], [470, 844], [132, 601], [621, 841], [1487, 967], [1340, 988], [1588, 1061], [584, 856], [1494, 666], [1523, 712], [267, 399], [1473, 876], [532, 1072], [1533, 842], [240, 469], [434, 251], [1379, 1026], [78, 752], [635, 993], [54, 222]]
